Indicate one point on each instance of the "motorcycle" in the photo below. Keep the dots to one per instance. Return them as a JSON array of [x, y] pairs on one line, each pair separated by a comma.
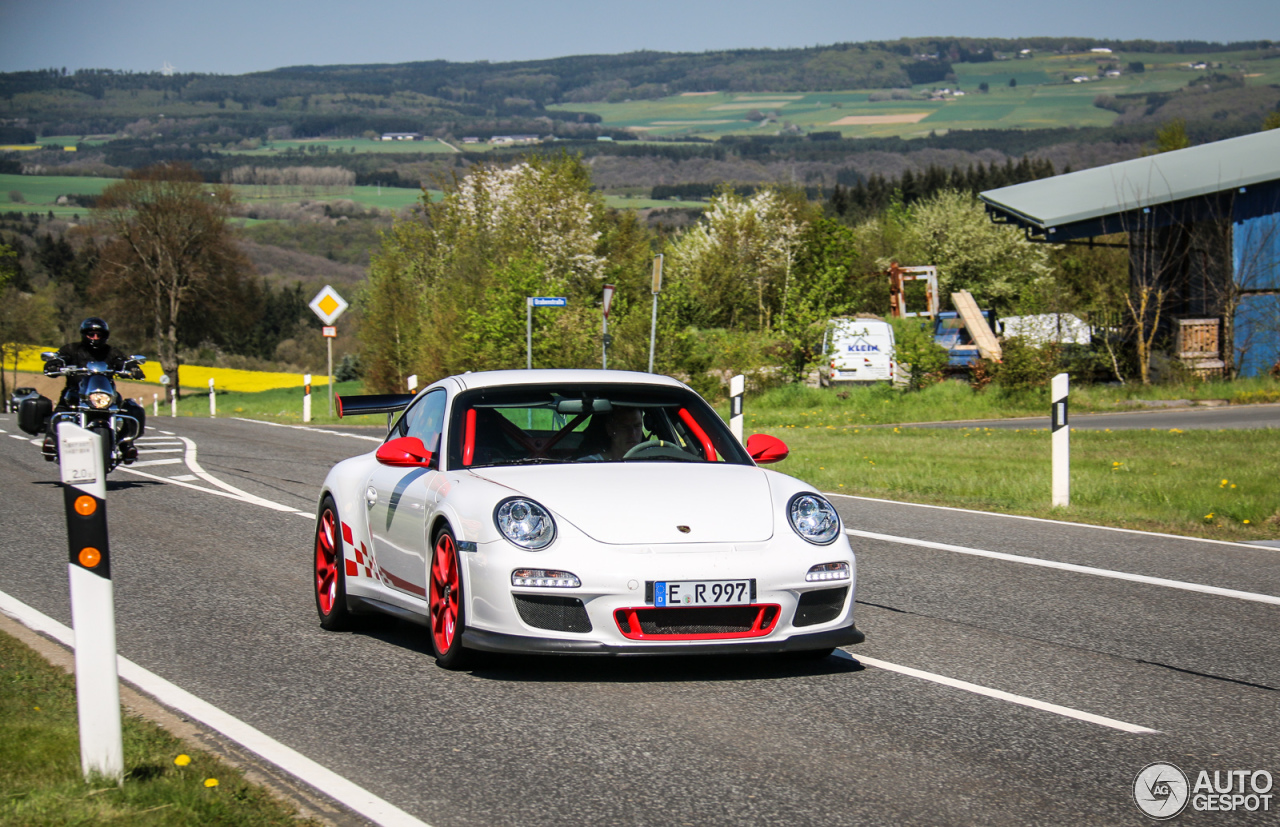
[[92, 402]]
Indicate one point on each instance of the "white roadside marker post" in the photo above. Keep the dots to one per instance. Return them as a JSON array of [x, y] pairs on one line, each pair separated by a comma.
[[1061, 436], [213, 405], [737, 388], [155, 404], [84, 490], [412, 382], [306, 397]]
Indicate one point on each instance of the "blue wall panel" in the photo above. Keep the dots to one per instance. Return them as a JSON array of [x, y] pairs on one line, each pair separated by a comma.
[[1255, 241]]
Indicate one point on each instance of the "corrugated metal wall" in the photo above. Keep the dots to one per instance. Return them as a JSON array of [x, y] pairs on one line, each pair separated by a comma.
[[1256, 264]]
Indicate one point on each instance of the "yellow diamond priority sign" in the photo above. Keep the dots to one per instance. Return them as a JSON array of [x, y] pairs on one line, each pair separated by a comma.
[[328, 305]]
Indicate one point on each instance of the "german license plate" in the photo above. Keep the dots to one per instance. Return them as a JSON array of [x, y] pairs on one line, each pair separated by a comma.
[[701, 592]]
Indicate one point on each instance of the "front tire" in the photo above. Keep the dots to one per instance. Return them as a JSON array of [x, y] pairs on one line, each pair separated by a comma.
[[445, 602], [329, 576]]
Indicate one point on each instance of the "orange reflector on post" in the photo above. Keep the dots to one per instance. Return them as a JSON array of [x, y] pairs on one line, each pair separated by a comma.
[[90, 557], [85, 505]]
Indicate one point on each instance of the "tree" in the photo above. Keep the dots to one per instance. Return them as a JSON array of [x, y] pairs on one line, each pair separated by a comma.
[[737, 261], [994, 262], [171, 248], [459, 271], [1172, 136]]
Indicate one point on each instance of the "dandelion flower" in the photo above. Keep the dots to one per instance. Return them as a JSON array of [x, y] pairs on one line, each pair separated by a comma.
[[211, 782], [1246, 522], [182, 760]]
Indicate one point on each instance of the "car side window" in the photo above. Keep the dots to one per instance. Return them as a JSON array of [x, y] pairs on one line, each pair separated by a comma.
[[425, 420]]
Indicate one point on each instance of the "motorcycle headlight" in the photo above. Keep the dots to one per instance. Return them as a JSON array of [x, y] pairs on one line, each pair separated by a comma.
[[813, 518], [525, 523], [100, 399]]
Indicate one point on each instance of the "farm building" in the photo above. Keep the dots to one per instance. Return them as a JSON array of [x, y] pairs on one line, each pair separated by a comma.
[[1203, 227]]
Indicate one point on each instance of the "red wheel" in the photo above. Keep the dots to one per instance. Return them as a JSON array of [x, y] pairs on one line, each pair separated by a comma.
[[445, 603], [330, 579]]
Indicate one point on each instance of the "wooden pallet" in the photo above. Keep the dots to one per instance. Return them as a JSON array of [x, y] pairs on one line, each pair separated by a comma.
[[979, 330]]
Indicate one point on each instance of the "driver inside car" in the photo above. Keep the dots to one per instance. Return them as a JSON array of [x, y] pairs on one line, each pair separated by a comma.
[[624, 430]]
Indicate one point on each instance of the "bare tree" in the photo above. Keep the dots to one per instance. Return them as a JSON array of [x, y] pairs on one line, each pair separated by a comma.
[[171, 247]]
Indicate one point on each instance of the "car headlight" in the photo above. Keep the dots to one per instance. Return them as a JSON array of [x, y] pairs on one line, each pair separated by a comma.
[[838, 570], [100, 399], [813, 518], [525, 523]]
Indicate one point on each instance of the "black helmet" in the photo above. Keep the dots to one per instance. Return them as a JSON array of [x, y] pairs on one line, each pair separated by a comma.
[[94, 332]]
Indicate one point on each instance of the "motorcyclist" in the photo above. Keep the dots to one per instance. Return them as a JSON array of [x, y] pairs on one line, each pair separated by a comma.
[[92, 347]]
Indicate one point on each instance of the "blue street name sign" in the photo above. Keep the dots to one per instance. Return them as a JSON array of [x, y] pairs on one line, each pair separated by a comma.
[[548, 301]]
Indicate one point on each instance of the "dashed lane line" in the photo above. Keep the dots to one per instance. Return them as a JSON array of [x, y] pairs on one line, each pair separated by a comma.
[[1021, 700], [1054, 564], [326, 781]]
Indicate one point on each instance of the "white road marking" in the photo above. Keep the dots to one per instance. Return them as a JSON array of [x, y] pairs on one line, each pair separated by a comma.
[[229, 491], [1021, 700], [148, 449], [1054, 564], [185, 478], [377, 810], [15, 436], [1041, 520], [309, 428], [170, 461]]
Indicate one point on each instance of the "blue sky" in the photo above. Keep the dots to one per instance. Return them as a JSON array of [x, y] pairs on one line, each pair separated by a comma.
[[237, 36]]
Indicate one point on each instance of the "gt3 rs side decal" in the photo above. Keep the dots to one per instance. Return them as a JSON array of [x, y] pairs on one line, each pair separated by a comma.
[[365, 565]]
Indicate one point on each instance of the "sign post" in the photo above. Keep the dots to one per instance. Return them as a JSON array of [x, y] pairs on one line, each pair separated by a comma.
[[657, 288], [306, 397], [1061, 441], [530, 303], [328, 305], [84, 491], [737, 388], [604, 353]]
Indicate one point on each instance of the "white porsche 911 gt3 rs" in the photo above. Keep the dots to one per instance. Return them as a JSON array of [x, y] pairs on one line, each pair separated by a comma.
[[579, 512]]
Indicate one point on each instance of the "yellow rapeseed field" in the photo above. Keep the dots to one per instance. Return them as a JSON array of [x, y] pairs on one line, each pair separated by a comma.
[[194, 376]]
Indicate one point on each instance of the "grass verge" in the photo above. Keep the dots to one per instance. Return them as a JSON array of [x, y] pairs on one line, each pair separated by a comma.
[[165, 782], [1213, 484]]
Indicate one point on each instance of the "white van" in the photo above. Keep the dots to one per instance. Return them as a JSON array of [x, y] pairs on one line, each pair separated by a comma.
[[858, 350]]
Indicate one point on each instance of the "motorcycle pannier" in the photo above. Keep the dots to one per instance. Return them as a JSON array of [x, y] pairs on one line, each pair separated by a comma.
[[34, 413]]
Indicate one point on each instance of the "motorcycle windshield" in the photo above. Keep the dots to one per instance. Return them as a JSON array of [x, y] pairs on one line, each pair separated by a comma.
[[97, 383]]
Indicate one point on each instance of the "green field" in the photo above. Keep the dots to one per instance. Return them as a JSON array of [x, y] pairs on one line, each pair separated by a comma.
[[1044, 97], [39, 192]]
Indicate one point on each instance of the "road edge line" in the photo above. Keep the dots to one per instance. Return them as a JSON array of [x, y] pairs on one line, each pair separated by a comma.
[[287, 759]]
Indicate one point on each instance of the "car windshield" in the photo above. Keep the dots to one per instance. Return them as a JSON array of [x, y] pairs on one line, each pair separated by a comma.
[[582, 423]]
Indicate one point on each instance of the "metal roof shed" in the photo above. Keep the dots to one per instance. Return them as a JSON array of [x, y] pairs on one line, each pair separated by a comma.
[[1109, 199], [1213, 212]]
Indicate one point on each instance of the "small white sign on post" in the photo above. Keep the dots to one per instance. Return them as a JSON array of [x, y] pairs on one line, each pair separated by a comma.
[[412, 382]]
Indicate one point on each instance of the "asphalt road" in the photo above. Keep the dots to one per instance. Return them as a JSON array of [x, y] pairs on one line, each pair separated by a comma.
[[1197, 418], [1031, 670]]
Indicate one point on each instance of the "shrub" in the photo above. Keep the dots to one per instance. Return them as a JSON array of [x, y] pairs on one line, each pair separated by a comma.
[[915, 348], [1026, 366]]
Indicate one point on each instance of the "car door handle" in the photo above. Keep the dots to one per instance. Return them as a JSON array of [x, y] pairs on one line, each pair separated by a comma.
[[371, 496]]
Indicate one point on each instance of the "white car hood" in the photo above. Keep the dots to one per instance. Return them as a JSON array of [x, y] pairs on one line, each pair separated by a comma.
[[645, 503]]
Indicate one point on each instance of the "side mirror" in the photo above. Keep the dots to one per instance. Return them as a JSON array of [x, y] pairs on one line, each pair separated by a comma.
[[405, 451], [765, 449], [49, 355], [141, 360]]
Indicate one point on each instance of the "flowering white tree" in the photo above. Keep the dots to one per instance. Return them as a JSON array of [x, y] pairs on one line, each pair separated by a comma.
[[498, 236], [743, 248]]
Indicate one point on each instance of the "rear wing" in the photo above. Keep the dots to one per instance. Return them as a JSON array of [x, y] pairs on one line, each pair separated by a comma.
[[374, 403]]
